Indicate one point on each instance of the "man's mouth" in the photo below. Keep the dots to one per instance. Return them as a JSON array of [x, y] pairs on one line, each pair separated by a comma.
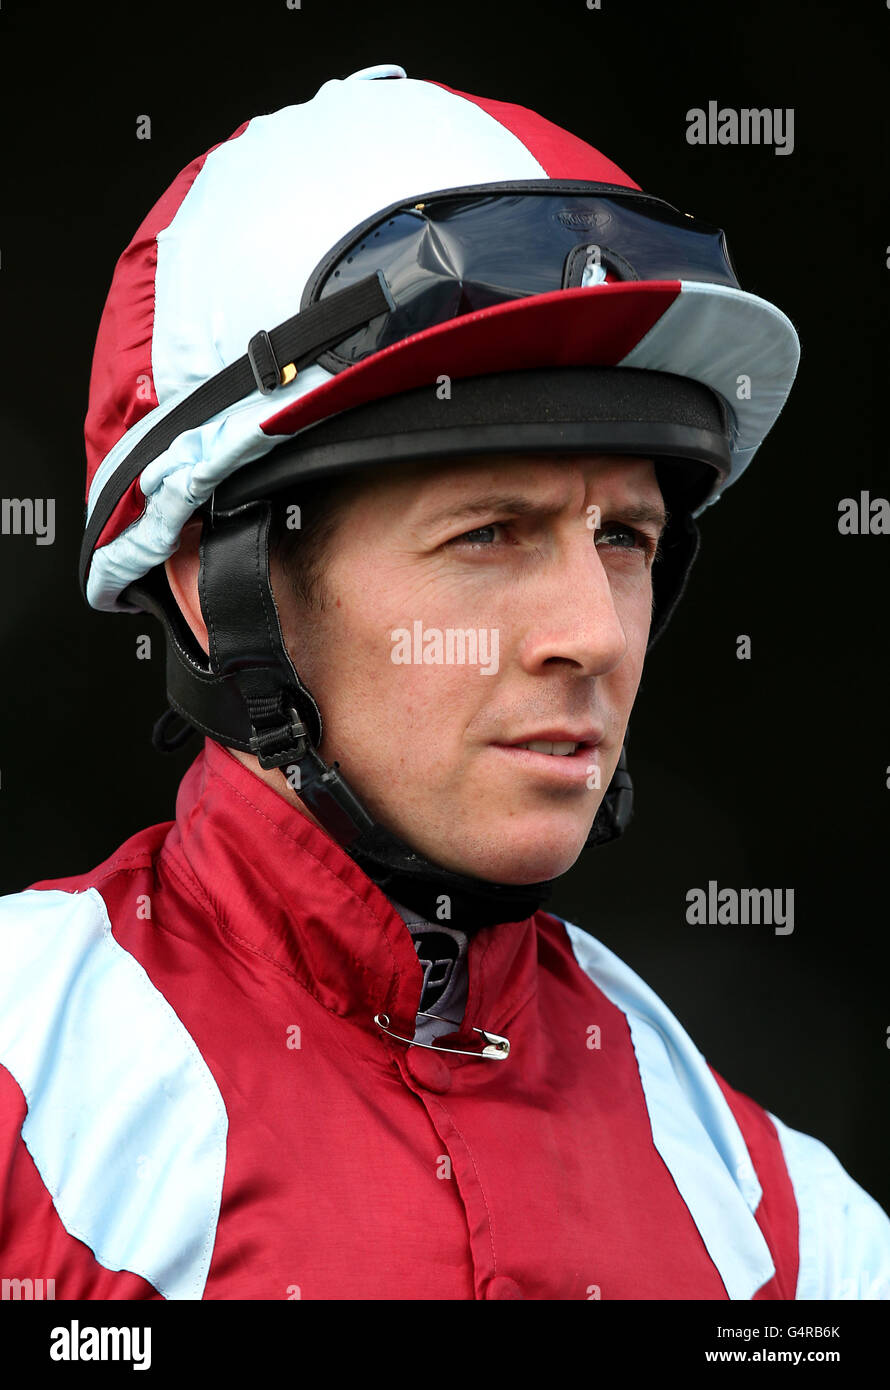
[[557, 750], [572, 751], [558, 743]]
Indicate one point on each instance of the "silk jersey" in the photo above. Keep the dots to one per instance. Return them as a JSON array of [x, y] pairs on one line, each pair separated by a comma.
[[196, 1101]]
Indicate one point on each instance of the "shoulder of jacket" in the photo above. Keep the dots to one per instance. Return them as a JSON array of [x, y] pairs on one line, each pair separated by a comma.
[[136, 854], [844, 1232], [120, 1100], [32, 921], [668, 1058], [693, 1127]]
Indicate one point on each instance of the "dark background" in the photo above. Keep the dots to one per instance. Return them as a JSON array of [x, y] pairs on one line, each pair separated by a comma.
[[765, 773]]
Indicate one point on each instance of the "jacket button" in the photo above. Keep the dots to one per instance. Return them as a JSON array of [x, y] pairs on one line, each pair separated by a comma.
[[428, 1070], [501, 1286]]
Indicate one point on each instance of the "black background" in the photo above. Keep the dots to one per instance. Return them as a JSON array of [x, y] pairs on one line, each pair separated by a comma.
[[763, 773]]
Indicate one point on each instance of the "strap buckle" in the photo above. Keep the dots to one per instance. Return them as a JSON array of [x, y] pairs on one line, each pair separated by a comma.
[[280, 744], [267, 373]]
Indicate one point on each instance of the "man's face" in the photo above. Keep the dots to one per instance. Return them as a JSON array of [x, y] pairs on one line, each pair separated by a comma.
[[511, 557]]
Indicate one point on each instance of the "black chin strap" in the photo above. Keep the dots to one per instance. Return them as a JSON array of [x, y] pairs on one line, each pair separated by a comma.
[[248, 695], [440, 894]]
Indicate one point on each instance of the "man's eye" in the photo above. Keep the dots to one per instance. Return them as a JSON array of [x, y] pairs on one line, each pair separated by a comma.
[[633, 539], [616, 534], [482, 535]]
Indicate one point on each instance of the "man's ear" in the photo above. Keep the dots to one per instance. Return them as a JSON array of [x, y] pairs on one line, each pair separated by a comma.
[[182, 570]]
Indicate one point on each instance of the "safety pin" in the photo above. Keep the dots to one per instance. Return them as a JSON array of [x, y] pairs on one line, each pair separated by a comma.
[[497, 1048]]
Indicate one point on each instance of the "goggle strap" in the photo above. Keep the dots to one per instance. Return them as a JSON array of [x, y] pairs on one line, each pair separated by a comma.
[[295, 342]]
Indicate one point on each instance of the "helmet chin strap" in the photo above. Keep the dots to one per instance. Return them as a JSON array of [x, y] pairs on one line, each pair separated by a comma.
[[248, 695]]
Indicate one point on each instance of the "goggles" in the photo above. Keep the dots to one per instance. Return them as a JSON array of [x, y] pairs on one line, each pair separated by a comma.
[[449, 253]]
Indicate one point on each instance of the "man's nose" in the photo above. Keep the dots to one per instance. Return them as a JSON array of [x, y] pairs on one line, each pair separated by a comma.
[[572, 613]]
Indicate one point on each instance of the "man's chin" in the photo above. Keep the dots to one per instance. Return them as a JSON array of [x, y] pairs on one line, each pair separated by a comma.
[[512, 857], [532, 846], [527, 868]]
